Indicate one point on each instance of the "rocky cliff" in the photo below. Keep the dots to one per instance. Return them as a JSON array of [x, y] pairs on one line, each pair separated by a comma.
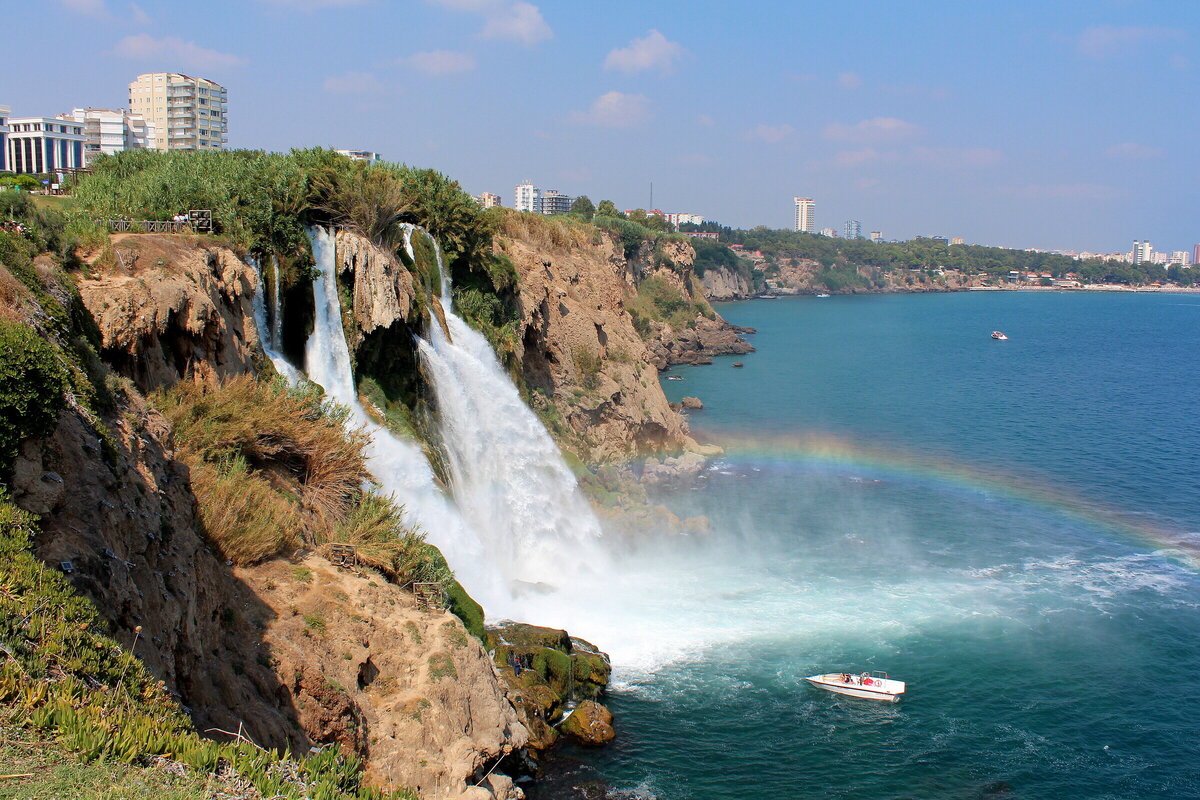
[[725, 284], [579, 350]]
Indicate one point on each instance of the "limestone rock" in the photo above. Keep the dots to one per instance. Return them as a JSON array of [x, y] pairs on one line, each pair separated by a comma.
[[723, 284], [590, 724], [383, 287], [173, 306], [692, 403]]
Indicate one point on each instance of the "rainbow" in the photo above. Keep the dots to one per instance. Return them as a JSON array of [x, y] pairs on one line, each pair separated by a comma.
[[830, 452]]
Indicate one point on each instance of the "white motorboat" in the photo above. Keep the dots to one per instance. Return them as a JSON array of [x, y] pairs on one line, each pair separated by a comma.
[[872, 686], [822, 295], [999, 335]]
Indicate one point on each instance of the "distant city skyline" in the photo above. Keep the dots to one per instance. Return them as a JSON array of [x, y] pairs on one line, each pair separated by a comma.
[[905, 124]]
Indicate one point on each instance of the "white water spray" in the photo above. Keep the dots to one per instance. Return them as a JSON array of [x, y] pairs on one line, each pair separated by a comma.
[[508, 475]]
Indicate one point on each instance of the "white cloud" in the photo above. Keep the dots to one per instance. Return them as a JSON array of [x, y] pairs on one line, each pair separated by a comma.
[[615, 110], [138, 16], [1107, 41], [189, 54], [1133, 150], [353, 83], [441, 62], [1064, 191], [655, 51], [871, 130], [772, 134], [849, 80], [88, 8], [520, 22]]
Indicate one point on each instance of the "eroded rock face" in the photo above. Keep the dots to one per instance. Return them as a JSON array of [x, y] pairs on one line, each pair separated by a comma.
[[408, 690], [698, 344], [383, 288], [581, 354], [722, 284], [173, 306]]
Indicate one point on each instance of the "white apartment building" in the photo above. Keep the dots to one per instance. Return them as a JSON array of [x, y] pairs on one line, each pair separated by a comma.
[[361, 155], [830, 232], [1142, 251], [43, 144], [489, 200], [1178, 258], [805, 207], [876, 236], [527, 197], [852, 229], [187, 113], [679, 219], [109, 131], [4, 112]]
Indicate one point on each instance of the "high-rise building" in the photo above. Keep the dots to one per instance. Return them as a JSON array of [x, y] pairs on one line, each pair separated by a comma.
[[552, 202], [489, 200], [957, 240], [1142, 252], [1195, 248], [4, 112], [527, 197], [1179, 258], [852, 229], [109, 131], [804, 213], [876, 236], [187, 113], [44, 144], [361, 155], [830, 232]]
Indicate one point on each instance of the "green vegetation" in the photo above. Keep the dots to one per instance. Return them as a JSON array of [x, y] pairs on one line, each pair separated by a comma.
[[441, 665], [66, 679], [31, 388], [659, 299]]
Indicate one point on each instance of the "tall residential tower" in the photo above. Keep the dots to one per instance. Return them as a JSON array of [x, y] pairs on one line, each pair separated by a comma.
[[804, 213], [187, 113]]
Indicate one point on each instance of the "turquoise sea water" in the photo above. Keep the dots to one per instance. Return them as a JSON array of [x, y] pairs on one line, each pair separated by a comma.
[[993, 522]]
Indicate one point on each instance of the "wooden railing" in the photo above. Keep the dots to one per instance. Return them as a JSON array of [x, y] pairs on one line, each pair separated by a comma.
[[148, 226]]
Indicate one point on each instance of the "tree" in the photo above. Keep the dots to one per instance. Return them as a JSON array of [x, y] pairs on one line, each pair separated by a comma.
[[608, 208], [583, 206]]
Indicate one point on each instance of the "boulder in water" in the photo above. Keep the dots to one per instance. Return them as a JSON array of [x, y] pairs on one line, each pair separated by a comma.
[[692, 402], [590, 724]]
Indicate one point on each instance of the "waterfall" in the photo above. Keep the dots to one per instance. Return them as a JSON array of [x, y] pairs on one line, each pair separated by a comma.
[[399, 466], [270, 341], [508, 475], [276, 306]]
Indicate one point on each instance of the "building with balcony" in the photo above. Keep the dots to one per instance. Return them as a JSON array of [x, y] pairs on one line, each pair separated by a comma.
[[489, 200], [4, 112], [678, 219], [852, 229], [553, 202], [109, 131], [361, 155], [36, 145], [187, 113], [1142, 252], [805, 207], [527, 197]]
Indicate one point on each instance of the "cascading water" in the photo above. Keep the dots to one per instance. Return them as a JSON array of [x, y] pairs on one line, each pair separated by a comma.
[[399, 466], [269, 335], [508, 475], [276, 307]]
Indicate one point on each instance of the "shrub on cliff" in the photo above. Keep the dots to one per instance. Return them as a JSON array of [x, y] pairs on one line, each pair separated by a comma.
[[32, 383]]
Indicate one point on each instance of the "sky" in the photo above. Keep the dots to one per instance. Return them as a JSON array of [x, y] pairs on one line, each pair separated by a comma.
[[1056, 124]]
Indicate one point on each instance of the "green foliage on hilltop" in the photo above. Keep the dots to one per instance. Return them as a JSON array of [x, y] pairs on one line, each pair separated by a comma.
[[843, 256], [31, 388]]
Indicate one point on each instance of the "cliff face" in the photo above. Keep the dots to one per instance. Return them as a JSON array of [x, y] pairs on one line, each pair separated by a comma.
[[724, 284], [384, 293], [172, 306], [581, 353]]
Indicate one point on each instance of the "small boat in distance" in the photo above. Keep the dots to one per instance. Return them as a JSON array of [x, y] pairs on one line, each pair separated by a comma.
[[674, 377], [999, 335], [870, 686], [822, 295]]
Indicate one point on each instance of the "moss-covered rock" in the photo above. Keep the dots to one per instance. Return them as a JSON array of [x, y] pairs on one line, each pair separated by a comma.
[[590, 724]]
